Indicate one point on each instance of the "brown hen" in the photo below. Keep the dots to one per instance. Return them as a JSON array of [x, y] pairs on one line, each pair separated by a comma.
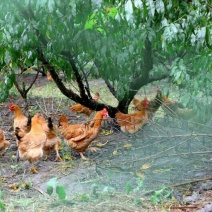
[[131, 123], [53, 141], [79, 136], [3, 142], [78, 108]]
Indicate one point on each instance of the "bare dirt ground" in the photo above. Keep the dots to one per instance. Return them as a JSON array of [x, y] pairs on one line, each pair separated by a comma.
[[122, 176]]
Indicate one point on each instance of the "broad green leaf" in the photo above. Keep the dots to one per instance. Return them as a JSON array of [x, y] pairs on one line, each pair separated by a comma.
[[151, 7], [51, 185], [2, 206], [49, 189], [160, 6], [128, 188], [129, 10], [138, 4], [112, 12], [185, 99], [155, 199], [60, 190]]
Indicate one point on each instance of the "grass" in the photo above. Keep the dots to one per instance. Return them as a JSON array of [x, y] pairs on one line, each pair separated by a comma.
[[104, 201]]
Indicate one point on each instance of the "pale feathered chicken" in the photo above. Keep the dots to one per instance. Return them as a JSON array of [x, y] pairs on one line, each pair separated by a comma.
[[30, 145], [176, 109], [20, 120]]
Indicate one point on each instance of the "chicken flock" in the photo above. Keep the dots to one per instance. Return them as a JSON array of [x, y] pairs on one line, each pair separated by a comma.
[[37, 137]]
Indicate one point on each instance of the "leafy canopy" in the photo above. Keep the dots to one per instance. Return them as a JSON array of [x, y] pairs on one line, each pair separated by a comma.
[[130, 43]]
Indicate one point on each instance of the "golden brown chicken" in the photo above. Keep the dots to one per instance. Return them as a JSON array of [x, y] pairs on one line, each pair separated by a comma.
[[20, 120], [176, 109], [78, 108], [49, 77], [3, 142], [80, 136], [131, 123], [30, 145], [53, 141], [155, 104]]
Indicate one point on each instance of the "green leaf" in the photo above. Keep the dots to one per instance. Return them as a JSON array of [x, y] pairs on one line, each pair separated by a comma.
[[160, 6], [128, 188], [185, 99], [129, 10], [151, 7], [60, 190], [91, 22], [49, 189], [112, 12], [155, 199], [51, 185], [2, 206], [138, 4], [158, 192], [208, 38]]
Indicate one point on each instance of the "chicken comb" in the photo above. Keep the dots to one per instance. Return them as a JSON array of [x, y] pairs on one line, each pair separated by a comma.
[[10, 105], [145, 102], [105, 112]]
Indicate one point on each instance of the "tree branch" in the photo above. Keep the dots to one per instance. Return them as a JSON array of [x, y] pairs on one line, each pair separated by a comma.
[[36, 76], [136, 84], [110, 87], [92, 104], [71, 61], [157, 78], [107, 82]]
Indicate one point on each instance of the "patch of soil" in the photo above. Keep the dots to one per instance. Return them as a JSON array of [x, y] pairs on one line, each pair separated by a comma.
[[137, 164]]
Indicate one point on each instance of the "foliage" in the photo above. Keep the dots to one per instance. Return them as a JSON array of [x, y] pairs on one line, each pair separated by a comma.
[[128, 188], [2, 205], [161, 195], [6, 84], [52, 185], [130, 43]]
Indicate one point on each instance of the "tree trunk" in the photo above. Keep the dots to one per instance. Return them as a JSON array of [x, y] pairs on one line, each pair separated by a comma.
[[138, 82]]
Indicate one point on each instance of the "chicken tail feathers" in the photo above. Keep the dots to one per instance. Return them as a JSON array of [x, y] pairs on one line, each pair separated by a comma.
[[156, 103], [50, 123], [29, 121], [62, 119], [17, 130]]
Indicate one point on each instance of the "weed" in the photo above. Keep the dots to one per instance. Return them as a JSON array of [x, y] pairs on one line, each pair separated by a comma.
[[160, 196], [84, 198], [52, 185], [128, 188], [2, 205]]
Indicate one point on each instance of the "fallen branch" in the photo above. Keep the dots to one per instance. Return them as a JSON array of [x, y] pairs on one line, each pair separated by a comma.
[[40, 191], [192, 181], [175, 136], [184, 207]]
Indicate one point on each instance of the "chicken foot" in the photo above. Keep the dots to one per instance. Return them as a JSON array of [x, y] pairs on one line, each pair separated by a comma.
[[33, 169], [58, 158], [82, 156], [92, 149]]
